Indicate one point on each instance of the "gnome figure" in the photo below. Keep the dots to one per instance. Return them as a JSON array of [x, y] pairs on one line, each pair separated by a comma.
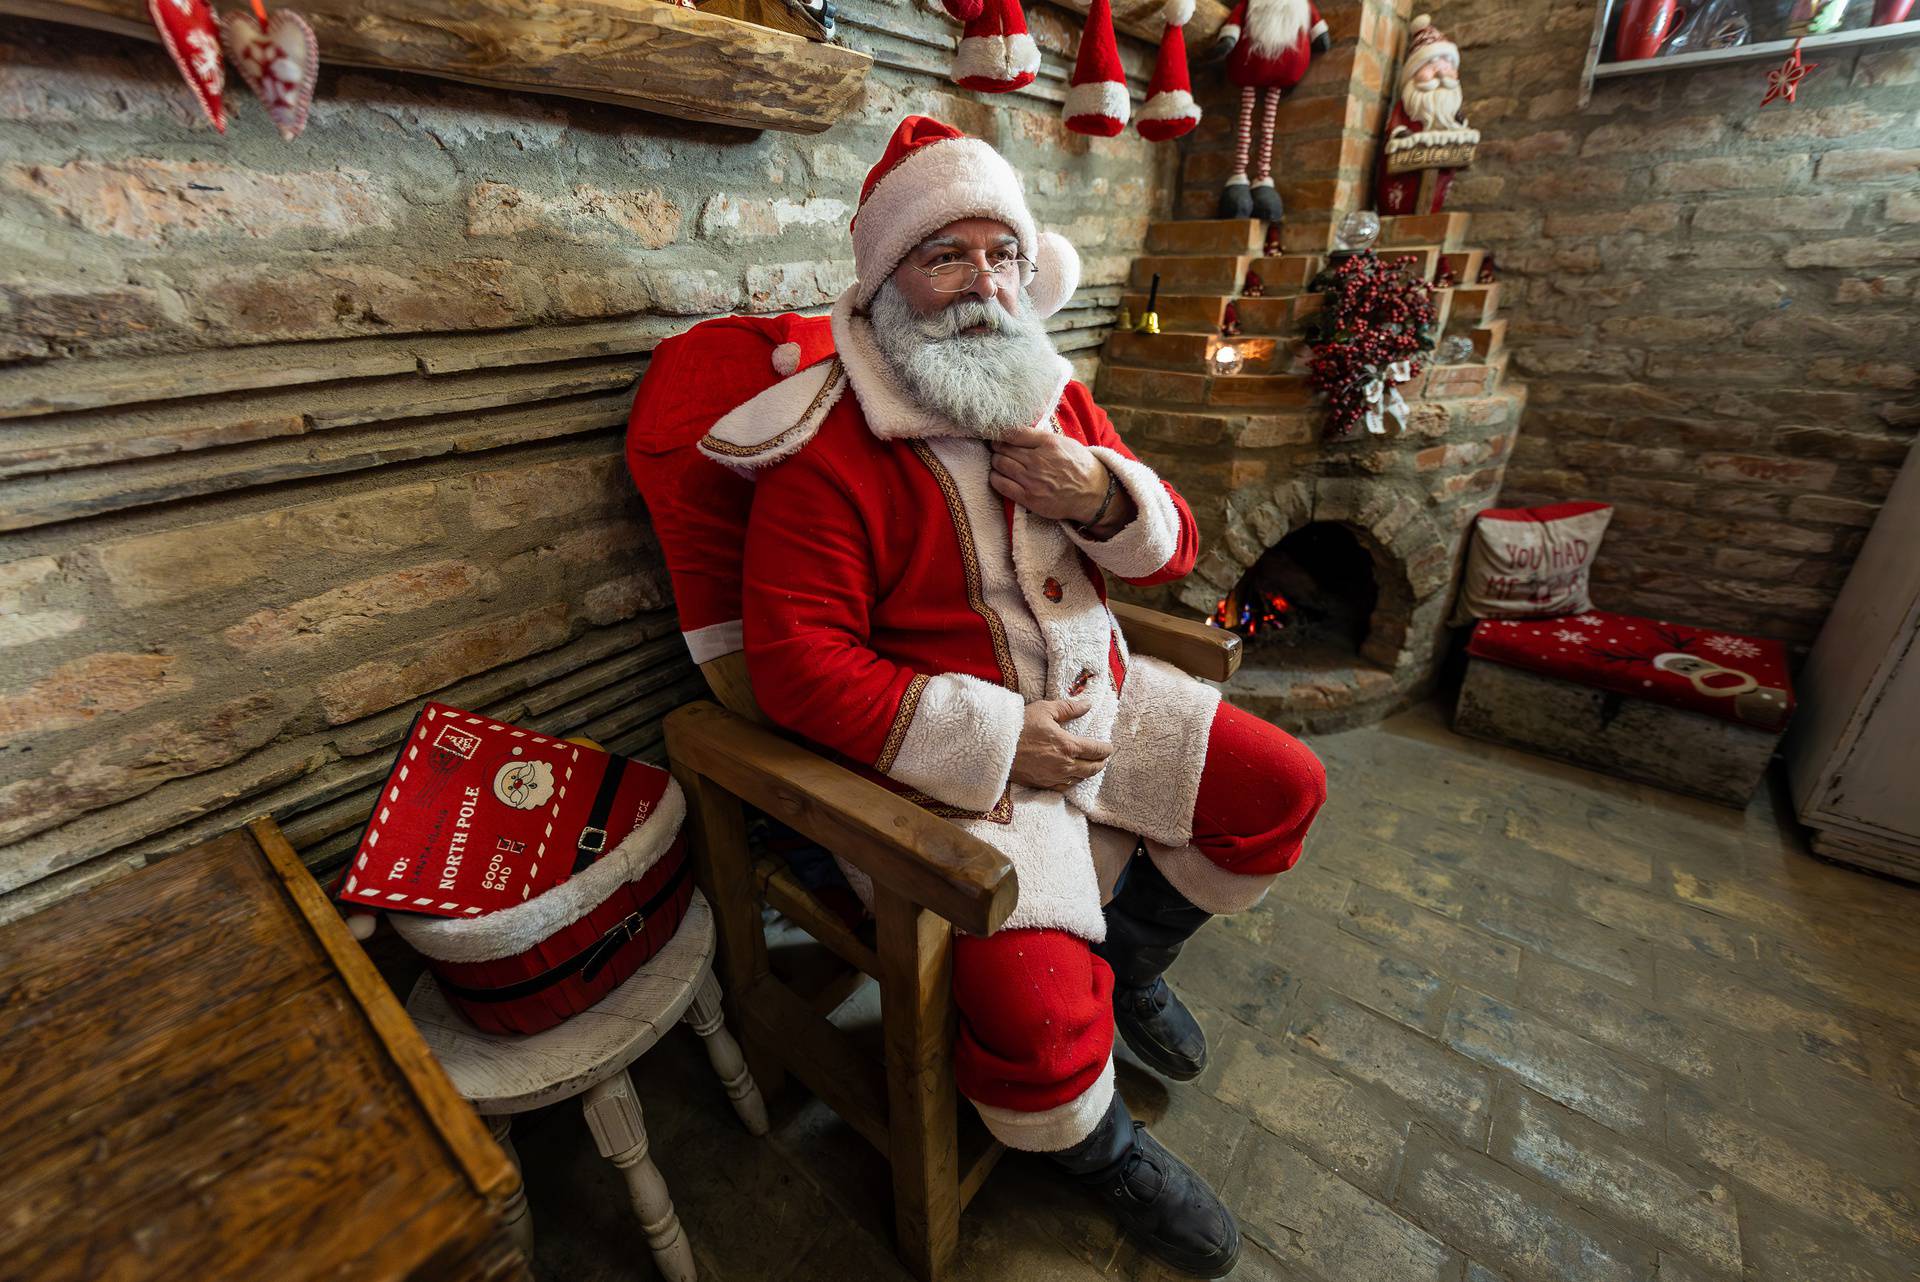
[[1268, 45], [1427, 137]]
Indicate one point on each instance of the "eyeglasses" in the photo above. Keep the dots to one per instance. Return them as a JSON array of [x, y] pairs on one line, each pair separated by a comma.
[[957, 277]]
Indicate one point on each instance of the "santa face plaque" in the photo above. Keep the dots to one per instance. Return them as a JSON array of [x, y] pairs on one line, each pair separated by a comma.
[[478, 815]]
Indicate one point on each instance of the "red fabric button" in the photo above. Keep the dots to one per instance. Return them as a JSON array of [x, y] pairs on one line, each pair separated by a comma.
[[1053, 590]]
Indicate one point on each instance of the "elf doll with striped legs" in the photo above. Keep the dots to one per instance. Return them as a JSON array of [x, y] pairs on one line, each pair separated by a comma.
[[1268, 45]]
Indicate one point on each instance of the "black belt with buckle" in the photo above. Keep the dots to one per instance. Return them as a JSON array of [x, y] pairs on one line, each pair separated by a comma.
[[589, 961], [592, 842]]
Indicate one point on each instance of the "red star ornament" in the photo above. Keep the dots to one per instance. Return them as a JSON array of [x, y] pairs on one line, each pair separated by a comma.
[[1784, 80]]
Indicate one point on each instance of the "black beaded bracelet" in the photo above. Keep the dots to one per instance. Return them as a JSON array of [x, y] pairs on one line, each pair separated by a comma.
[[1113, 488]]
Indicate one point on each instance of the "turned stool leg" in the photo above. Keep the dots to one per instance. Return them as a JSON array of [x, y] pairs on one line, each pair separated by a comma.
[[707, 1020], [613, 1115], [519, 1218]]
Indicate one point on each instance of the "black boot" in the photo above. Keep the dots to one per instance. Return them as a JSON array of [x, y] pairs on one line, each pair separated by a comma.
[[1236, 200], [1267, 206], [1147, 921], [1163, 1204]]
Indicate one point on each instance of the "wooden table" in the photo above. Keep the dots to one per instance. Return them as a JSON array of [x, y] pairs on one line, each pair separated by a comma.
[[202, 1077], [588, 1057]]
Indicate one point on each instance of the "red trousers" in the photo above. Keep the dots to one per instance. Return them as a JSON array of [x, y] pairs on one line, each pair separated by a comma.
[[1035, 1042]]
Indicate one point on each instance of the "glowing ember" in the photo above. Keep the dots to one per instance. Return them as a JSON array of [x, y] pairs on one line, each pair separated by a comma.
[[1251, 613]]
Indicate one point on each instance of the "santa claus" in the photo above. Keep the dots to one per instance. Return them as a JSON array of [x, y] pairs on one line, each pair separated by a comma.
[[937, 504], [1426, 135], [1268, 45]]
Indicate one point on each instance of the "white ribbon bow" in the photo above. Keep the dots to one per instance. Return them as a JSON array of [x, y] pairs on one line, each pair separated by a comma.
[[1383, 397]]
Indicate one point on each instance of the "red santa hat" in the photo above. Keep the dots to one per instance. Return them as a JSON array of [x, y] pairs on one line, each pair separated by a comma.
[[932, 175], [996, 54], [1424, 44], [1097, 100], [1170, 110]]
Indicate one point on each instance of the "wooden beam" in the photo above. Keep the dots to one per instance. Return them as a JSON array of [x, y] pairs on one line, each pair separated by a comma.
[[1142, 18], [637, 53], [922, 856]]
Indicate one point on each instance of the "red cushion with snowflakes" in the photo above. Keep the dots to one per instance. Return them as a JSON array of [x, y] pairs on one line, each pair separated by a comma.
[[1720, 674]]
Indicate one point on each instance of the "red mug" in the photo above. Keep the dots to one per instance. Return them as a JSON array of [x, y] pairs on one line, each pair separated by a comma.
[[1888, 12], [1645, 26]]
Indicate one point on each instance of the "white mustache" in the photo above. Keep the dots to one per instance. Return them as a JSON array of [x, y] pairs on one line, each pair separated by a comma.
[[950, 320]]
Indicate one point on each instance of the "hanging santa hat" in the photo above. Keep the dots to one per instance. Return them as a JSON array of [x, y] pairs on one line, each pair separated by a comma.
[[996, 54], [1424, 44], [1097, 101], [930, 175], [1170, 110]]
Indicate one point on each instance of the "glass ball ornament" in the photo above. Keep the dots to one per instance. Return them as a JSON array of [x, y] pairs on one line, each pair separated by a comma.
[[1455, 350], [1359, 230], [1227, 359]]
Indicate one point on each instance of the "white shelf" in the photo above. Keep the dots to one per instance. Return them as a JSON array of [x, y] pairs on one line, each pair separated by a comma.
[[1764, 51]]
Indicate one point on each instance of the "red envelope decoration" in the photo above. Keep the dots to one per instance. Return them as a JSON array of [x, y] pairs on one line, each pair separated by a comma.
[[279, 58], [188, 31]]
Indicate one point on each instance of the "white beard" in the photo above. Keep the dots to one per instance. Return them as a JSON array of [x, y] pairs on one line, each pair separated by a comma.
[[1273, 25], [984, 384], [1435, 108]]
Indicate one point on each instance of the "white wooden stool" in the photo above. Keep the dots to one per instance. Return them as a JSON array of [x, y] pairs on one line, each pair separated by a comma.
[[504, 1074]]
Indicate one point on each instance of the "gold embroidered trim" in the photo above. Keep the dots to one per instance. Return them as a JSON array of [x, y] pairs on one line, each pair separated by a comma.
[[897, 732], [1001, 813], [970, 561], [716, 446]]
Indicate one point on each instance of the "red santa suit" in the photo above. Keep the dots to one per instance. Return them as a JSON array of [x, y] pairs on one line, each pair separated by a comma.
[[902, 614], [1273, 42]]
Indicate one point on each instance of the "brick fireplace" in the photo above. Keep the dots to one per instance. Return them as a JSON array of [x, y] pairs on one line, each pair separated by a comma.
[[1361, 539]]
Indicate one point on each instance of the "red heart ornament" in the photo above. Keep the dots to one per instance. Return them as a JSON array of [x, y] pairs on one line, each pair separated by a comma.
[[188, 31], [279, 61]]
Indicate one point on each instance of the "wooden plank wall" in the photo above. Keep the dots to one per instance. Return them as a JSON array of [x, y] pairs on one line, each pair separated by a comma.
[[295, 435]]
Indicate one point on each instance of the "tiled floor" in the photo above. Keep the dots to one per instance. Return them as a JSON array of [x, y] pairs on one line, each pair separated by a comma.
[[1509, 1020]]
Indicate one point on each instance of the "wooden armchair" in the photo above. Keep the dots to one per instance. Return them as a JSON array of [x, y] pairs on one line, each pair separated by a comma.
[[928, 878]]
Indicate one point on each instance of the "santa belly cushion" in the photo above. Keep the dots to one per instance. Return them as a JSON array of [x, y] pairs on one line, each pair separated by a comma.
[[534, 874]]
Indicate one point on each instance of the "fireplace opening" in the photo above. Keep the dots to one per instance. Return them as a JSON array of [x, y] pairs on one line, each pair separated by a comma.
[[1308, 599]]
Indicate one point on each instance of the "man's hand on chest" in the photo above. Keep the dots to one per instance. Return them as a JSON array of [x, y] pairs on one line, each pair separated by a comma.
[[1054, 476]]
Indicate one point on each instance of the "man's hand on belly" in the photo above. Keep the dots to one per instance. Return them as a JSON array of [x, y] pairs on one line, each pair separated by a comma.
[[1051, 757]]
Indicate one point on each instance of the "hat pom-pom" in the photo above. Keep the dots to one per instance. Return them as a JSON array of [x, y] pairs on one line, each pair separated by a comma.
[[1422, 22], [786, 359], [1058, 275], [1177, 13]]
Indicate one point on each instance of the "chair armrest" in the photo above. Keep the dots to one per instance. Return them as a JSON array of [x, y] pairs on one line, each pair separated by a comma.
[[911, 851], [1194, 648]]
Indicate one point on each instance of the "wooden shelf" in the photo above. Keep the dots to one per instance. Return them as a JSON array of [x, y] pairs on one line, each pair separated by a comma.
[[1763, 51], [647, 54], [1141, 18]]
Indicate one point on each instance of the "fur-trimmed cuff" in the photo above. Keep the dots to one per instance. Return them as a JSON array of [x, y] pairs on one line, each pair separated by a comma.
[[715, 641], [1145, 543], [1319, 31], [954, 738], [1056, 1128], [1206, 884]]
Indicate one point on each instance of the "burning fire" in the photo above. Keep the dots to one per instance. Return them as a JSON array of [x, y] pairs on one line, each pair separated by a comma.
[[1251, 612]]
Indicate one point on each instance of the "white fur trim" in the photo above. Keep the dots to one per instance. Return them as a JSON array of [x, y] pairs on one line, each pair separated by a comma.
[[1147, 542], [970, 464], [1177, 13], [514, 930], [786, 359], [1235, 180], [1277, 25], [1001, 59], [1319, 29], [1160, 751], [959, 744], [1264, 182], [1046, 841], [1206, 884], [891, 413], [1058, 1128], [778, 421], [1059, 273], [1175, 104], [1229, 33], [1106, 98], [715, 641], [940, 183]]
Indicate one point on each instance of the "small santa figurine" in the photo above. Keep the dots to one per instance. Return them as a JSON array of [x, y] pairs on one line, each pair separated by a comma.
[[1268, 45], [1427, 138]]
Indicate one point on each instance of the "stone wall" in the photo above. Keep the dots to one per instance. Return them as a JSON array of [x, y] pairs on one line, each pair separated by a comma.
[[1713, 305], [300, 433]]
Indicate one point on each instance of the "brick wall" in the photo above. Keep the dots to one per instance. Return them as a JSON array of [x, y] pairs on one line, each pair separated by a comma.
[[1713, 306], [299, 433]]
